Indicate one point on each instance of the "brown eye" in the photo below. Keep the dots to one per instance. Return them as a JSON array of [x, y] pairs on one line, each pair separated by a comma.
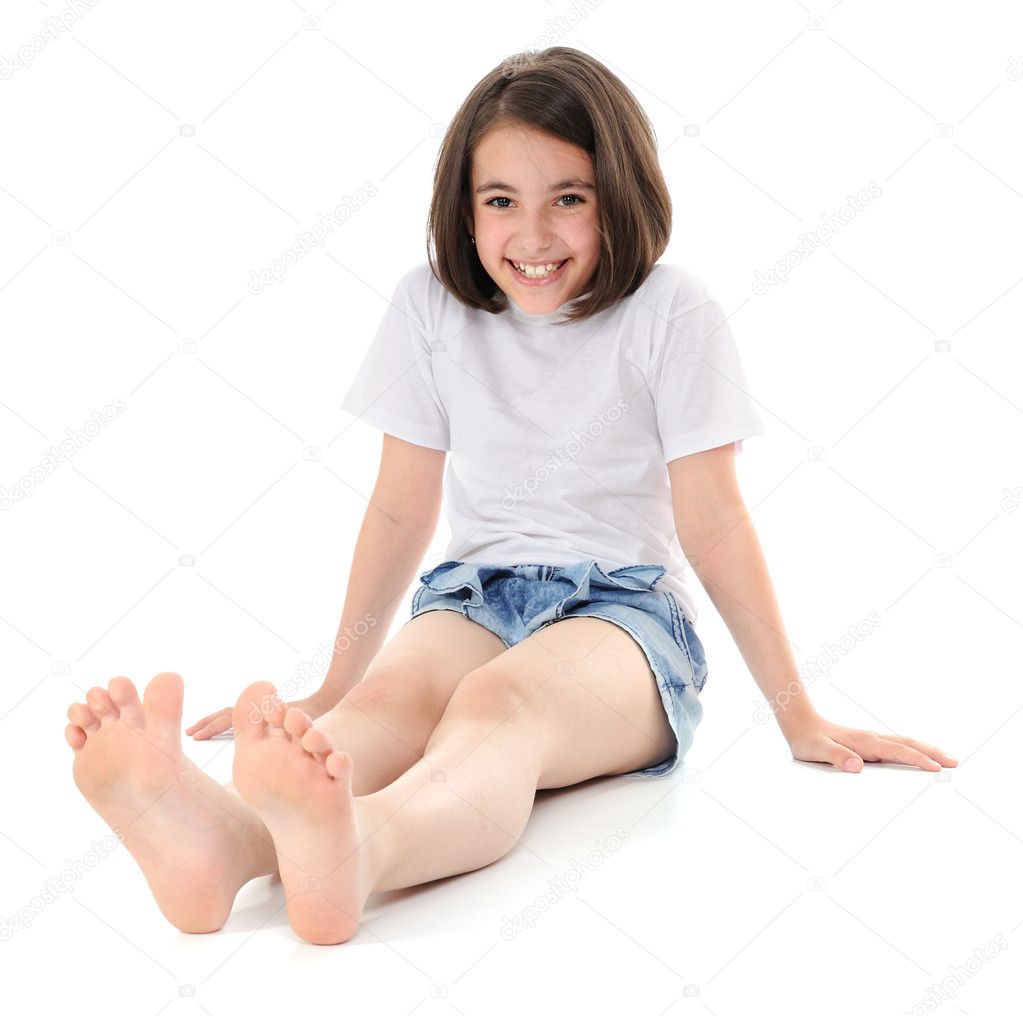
[[578, 198]]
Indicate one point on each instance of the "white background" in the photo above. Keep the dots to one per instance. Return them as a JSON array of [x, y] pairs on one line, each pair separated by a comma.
[[155, 156]]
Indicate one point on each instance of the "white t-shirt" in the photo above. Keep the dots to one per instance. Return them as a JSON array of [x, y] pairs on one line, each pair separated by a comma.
[[559, 437]]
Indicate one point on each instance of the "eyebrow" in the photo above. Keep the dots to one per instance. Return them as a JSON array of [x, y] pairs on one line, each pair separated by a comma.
[[559, 186]]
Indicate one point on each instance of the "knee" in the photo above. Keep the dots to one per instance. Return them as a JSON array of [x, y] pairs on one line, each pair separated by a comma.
[[491, 692], [393, 689], [375, 694]]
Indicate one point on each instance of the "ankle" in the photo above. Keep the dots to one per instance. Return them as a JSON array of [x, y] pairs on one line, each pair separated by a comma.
[[377, 845], [256, 843], [263, 857]]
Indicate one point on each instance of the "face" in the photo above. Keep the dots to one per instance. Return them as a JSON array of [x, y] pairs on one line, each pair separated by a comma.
[[533, 217]]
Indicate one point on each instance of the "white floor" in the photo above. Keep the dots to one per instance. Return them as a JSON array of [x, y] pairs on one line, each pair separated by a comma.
[[746, 881]]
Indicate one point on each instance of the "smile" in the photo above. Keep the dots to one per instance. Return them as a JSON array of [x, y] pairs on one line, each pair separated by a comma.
[[539, 275]]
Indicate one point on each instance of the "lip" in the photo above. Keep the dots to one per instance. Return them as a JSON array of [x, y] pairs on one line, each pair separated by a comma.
[[534, 283]]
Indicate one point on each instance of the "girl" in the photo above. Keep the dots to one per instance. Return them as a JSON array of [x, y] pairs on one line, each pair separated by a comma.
[[593, 402]]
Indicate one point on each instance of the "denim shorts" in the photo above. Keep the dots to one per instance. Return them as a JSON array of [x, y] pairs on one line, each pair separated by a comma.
[[514, 601]]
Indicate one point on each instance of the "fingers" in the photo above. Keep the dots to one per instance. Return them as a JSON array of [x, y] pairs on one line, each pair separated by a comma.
[[878, 749], [847, 761], [212, 718], [217, 727], [847, 749], [215, 723], [928, 749], [875, 747], [894, 751], [883, 749], [836, 753], [199, 723]]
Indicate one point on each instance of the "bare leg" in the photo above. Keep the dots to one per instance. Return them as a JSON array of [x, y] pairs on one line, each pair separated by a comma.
[[385, 743], [462, 806], [522, 723], [198, 842], [385, 721]]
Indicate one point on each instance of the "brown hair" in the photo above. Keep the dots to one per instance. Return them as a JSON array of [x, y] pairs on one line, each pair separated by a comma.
[[566, 93]]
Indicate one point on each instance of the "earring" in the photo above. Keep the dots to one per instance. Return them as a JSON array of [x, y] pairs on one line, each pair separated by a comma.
[[473, 240]]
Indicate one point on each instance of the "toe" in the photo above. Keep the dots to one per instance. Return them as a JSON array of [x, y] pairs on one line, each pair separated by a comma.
[[83, 717], [275, 713], [126, 698], [339, 765], [253, 708], [316, 742], [75, 736], [162, 705], [296, 722], [101, 704]]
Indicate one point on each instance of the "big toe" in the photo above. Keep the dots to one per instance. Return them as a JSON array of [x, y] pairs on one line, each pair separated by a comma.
[[162, 705], [258, 705]]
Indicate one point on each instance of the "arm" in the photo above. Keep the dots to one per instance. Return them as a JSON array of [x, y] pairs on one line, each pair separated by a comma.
[[719, 541], [396, 531], [397, 528]]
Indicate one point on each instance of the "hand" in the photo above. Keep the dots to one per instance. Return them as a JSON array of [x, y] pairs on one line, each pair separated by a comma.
[[847, 749], [315, 705]]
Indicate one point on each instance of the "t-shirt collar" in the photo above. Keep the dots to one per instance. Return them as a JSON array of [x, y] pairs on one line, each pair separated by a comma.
[[538, 319]]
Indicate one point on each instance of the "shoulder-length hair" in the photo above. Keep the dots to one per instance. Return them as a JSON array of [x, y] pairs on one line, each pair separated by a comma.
[[566, 93]]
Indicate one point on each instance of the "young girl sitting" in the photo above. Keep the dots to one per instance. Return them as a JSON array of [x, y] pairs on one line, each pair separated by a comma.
[[592, 400]]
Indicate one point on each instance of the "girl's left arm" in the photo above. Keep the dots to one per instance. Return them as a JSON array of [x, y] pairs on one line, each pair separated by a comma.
[[719, 541]]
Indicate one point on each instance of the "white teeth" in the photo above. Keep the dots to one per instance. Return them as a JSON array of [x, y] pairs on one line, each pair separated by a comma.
[[537, 271]]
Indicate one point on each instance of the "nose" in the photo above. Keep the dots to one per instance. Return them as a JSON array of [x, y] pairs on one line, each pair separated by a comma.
[[536, 235]]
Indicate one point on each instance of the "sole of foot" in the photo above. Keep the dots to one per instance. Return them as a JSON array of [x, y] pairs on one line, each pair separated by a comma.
[[301, 788], [196, 843]]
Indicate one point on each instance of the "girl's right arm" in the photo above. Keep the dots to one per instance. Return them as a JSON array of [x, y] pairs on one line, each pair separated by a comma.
[[396, 532]]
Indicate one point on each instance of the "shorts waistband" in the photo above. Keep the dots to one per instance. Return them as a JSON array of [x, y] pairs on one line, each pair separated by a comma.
[[540, 571], [635, 576]]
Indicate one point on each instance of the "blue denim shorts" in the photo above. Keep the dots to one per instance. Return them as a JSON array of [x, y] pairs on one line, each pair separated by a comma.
[[514, 601]]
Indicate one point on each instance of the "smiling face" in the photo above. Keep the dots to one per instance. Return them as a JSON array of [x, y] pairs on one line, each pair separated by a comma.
[[539, 206]]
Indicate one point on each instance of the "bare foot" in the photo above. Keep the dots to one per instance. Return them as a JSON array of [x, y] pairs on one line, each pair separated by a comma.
[[302, 789], [196, 842]]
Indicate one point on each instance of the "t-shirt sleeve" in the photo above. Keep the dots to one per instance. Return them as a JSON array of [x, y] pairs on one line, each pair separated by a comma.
[[701, 395], [394, 388]]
